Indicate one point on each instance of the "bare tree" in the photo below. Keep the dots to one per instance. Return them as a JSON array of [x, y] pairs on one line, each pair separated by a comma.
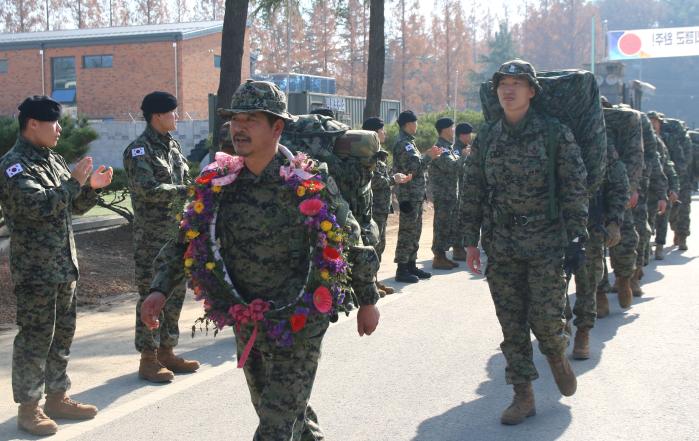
[[377, 59]]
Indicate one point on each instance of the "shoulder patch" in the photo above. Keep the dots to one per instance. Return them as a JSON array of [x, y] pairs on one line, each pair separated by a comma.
[[332, 186], [568, 135], [138, 151], [14, 170], [409, 147]]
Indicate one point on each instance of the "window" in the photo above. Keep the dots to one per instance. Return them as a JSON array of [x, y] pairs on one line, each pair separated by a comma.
[[3, 66], [63, 79], [95, 61], [217, 61]]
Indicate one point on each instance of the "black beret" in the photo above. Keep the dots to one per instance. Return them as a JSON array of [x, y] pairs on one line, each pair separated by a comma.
[[406, 116], [158, 102], [372, 123], [324, 111], [443, 123], [40, 107], [463, 129]]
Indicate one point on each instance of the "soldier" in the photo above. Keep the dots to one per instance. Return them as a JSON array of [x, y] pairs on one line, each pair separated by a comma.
[[38, 194], [259, 200], [462, 148], [680, 212], [324, 111], [508, 195], [158, 179], [381, 183], [444, 180], [408, 160]]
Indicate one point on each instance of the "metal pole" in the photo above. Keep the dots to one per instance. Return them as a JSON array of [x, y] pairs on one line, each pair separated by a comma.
[[43, 80], [456, 91], [592, 51], [288, 49], [174, 46]]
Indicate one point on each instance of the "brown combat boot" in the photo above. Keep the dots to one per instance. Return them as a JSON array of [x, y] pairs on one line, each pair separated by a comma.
[[563, 374], [440, 261], [581, 347], [382, 293], [602, 304], [385, 288], [659, 251], [682, 243], [459, 254], [636, 289], [151, 370], [176, 364], [625, 293], [60, 405], [675, 239], [32, 419], [522, 405]]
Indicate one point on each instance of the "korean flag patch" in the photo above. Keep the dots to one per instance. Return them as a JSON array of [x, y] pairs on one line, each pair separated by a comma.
[[409, 147], [138, 151], [14, 170]]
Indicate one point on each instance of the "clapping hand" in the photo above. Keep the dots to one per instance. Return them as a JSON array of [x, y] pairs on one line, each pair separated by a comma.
[[400, 178], [82, 170], [101, 177], [434, 152]]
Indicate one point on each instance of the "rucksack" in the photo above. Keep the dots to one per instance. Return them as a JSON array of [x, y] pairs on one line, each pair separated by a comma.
[[625, 129]]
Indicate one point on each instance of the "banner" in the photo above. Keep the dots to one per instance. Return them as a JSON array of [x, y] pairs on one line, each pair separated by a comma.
[[653, 43]]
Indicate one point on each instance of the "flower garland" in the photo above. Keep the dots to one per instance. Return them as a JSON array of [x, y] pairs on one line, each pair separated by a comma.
[[327, 282]]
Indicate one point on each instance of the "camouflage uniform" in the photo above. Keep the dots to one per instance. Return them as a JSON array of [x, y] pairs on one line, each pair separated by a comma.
[[680, 146], [407, 159], [38, 197], [267, 267], [158, 179], [381, 183], [463, 162], [659, 222], [444, 181], [506, 194]]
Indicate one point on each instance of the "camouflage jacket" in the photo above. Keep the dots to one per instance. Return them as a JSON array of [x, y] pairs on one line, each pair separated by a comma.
[[354, 181], [444, 173], [673, 181], [463, 162], [38, 197], [653, 180], [265, 243], [506, 191], [615, 190], [677, 144], [381, 183], [625, 129], [158, 177], [407, 159]]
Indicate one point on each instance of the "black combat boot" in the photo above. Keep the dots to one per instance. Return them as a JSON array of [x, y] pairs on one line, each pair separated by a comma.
[[404, 275], [418, 272]]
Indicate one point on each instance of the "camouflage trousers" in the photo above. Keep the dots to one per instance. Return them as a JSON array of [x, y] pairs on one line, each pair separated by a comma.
[[409, 231], [280, 380], [46, 320], [660, 226], [168, 333], [381, 220], [640, 217], [443, 225], [679, 216], [529, 296], [587, 279], [623, 256]]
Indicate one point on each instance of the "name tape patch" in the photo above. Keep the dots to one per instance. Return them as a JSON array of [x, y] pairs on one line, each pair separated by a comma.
[[138, 151], [14, 170]]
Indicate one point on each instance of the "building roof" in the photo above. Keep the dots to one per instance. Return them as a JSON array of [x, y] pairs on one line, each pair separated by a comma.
[[115, 35]]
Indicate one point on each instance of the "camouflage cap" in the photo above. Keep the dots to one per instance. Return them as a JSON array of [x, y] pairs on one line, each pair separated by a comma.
[[517, 68], [257, 96]]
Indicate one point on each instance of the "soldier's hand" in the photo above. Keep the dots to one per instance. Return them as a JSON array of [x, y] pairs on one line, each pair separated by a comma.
[[466, 151], [367, 319], [400, 178], [673, 197], [150, 309], [434, 152], [101, 177], [473, 259], [662, 206], [613, 235], [633, 201], [82, 170]]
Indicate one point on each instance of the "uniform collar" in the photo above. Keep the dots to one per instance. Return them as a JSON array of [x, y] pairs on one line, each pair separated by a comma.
[[154, 136], [270, 173], [29, 149], [526, 125], [404, 134], [441, 142]]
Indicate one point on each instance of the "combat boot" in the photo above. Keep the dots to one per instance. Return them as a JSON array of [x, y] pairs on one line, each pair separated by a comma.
[[459, 254], [176, 364], [602, 304], [151, 370], [581, 347], [522, 405], [385, 288], [441, 262], [60, 405], [563, 374], [675, 239], [32, 419], [381, 292], [659, 251], [403, 274], [682, 243], [414, 270], [636, 289], [625, 293]]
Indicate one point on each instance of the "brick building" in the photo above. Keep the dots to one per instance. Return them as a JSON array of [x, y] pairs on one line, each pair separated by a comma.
[[104, 73]]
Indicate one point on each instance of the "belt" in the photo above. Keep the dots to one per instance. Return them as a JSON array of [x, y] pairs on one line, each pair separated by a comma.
[[522, 220]]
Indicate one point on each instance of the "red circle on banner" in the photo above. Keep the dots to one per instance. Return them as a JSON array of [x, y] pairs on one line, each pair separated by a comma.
[[630, 44]]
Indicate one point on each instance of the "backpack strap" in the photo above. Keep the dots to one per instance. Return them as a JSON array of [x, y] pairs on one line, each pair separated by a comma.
[[552, 154]]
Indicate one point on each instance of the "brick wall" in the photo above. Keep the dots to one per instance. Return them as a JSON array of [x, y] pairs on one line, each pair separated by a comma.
[[23, 78]]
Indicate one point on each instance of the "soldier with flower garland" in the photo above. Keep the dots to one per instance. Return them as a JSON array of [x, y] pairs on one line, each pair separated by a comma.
[[272, 249]]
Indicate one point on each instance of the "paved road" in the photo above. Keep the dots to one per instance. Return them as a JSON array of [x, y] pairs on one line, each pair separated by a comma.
[[432, 372]]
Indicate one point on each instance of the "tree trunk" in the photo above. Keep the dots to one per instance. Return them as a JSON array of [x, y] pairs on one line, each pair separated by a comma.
[[232, 45], [377, 58]]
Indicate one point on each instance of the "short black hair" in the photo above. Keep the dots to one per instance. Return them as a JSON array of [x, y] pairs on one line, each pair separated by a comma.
[[23, 120], [147, 117], [272, 118]]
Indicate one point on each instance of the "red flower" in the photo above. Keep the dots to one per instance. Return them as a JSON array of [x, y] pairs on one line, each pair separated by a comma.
[[206, 177], [297, 322], [313, 185], [322, 299], [311, 207], [330, 253]]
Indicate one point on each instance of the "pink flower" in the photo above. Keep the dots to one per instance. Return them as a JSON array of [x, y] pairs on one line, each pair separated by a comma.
[[311, 207], [322, 299]]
